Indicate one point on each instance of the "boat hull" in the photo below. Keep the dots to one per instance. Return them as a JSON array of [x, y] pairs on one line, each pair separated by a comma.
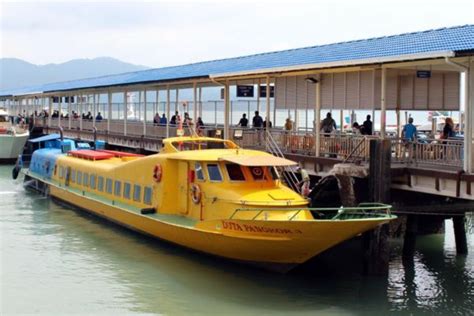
[[12, 145], [274, 245]]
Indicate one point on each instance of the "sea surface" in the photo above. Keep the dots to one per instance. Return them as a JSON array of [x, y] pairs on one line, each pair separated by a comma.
[[59, 261]]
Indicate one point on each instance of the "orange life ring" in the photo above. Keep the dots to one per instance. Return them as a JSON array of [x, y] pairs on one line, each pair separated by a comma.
[[196, 193], [157, 173]]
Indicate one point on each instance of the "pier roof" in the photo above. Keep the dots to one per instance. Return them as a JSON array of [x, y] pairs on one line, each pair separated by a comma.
[[437, 43]]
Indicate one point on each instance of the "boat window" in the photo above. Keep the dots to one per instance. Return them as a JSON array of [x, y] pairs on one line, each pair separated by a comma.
[[147, 196], [85, 181], [79, 177], [61, 172], [118, 188], [108, 186], [93, 181], [199, 171], [126, 190], [73, 175], [214, 172], [137, 193], [235, 172], [100, 184], [257, 173], [275, 174]]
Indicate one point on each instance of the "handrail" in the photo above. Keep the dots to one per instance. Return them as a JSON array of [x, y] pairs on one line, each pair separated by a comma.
[[361, 209], [273, 148], [362, 141]]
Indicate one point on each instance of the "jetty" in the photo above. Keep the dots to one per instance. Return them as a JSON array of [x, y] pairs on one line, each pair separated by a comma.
[[426, 181]]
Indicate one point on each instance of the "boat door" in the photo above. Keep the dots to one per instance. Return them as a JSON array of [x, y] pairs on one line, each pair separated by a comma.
[[183, 187]]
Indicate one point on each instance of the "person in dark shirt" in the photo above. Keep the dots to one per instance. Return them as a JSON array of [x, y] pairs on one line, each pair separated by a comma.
[[366, 128], [257, 121], [243, 121], [328, 124], [99, 117], [448, 129], [174, 118]]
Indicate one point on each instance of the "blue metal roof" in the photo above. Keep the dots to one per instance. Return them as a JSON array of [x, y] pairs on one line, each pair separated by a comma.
[[453, 39]]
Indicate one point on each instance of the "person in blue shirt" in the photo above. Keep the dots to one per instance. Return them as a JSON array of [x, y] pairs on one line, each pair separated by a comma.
[[409, 137], [163, 119], [409, 131]]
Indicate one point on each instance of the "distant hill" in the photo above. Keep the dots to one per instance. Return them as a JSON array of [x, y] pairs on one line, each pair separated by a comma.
[[16, 73]]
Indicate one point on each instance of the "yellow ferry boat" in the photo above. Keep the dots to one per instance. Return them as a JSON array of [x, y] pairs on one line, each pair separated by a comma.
[[203, 193]]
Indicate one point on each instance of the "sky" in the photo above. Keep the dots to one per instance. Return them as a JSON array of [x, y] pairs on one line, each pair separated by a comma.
[[163, 33]]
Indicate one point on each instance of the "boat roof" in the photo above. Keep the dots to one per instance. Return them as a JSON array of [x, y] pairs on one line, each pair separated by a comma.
[[45, 138], [244, 157], [90, 154], [119, 154]]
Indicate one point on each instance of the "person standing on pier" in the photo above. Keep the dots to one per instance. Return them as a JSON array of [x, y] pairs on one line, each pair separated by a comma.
[[244, 122], [328, 125], [99, 117], [409, 137], [257, 121], [156, 119], [163, 120], [174, 118], [366, 128]]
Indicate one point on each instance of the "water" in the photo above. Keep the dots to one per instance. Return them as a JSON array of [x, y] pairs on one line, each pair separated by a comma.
[[58, 261]]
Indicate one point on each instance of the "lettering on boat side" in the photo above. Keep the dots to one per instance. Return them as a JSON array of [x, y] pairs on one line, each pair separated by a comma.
[[257, 229]]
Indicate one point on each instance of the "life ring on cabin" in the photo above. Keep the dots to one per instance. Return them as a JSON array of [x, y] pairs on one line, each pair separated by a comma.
[[157, 173], [196, 193]]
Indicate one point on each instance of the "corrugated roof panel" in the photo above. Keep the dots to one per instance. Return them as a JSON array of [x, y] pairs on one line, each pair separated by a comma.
[[458, 38]]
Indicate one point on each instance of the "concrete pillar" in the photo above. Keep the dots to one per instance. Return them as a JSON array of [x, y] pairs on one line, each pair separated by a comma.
[[80, 112], [50, 110], [125, 112], [168, 111], [94, 109], [144, 112], [267, 110], [469, 119], [226, 110], [383, 104], [317, 117], [258, 96], [109, 110], [200, 101], [69, 123]]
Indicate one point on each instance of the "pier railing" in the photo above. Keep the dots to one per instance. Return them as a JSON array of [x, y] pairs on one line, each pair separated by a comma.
[[445, 152]]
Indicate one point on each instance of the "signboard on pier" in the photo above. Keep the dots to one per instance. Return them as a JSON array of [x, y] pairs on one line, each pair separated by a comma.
[[263, 91], [423, 74], [245, 91]]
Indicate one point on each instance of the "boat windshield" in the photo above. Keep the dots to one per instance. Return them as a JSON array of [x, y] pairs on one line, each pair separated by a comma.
[[202, 145]]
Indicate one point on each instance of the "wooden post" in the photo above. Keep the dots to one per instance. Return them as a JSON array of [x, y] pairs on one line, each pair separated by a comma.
[[460, 235], [409, 240], [375, 242]]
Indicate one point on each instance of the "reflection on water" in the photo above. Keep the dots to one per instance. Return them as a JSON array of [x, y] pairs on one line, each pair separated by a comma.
[[58, 261]]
